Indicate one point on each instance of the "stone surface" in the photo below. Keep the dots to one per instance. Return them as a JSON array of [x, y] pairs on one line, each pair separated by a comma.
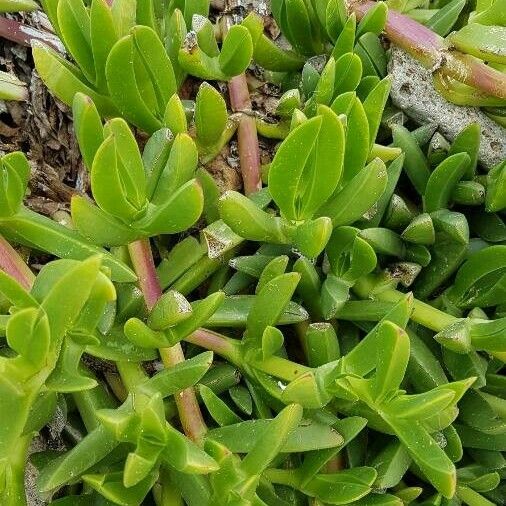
[[413, 92]]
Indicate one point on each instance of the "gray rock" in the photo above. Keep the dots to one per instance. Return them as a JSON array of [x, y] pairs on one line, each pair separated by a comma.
[[413, 92]]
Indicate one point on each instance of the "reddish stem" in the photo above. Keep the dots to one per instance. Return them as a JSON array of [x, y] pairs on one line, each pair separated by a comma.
[[144, 265], [13, 265], [215, 342], [249, 151], [19, 33], [186, 401], [431, 51]]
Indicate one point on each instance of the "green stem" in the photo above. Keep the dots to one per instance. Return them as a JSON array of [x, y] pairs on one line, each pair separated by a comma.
[[231, 351], [132, 374], [423, 313], [15, 494], [198, 273], [280, 367]]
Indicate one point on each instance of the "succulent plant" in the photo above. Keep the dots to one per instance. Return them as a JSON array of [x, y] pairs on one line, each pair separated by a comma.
[[332, 334]]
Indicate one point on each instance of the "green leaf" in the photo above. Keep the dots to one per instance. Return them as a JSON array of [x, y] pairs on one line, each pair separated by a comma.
[[298, 27], [357, 141], [334, 294], [72, 464], [236, 51], [495, 199], [74, 26], [420, 230], [235, 309], [178, 377], [99, 227], [14, 175], [391, 463], [445, 18], [443, 180], [374, 105], [343, 487], [218, 410], [392, 361], [357, 196], [175, 116], [312, 236], [374, 20], [426, 453], [18, 5], [14, 292], [266, 53], [348, 73], [111, 181], [170, 309], [65, 80], [123, 86], [420, 406], [247, 220], [272, 440], [416, 165], [175, 215], [103, 37], [42, 233], [201, 313], [482, 41], [179, 169], [307, 167], [210, 115], [270, 303], [346, 40], [87, 126], [322, 344], [110, 485], [65, 300], [272, 341], [384, 241], [28, 334], [128, 155], [479, 282]]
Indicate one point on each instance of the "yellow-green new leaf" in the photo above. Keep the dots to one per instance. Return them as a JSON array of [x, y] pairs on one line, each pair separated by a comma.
[[175, 215], [307, 166]]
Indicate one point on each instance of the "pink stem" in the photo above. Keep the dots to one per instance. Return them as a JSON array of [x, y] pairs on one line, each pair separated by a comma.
[[144, 265], [213, 341], [186, 401], [19, 33], [249, 151], [431, 51], [13, 265]]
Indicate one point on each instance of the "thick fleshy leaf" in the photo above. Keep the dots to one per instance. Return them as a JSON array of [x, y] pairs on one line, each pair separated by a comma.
[[210, 115], [123, 86], [111, 181], [175, 215], [269, 304], [307, 167], [443, 180], [88, 127], [99, 227], [40, 232], [236, 51], [65, 80], [357, 196]]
